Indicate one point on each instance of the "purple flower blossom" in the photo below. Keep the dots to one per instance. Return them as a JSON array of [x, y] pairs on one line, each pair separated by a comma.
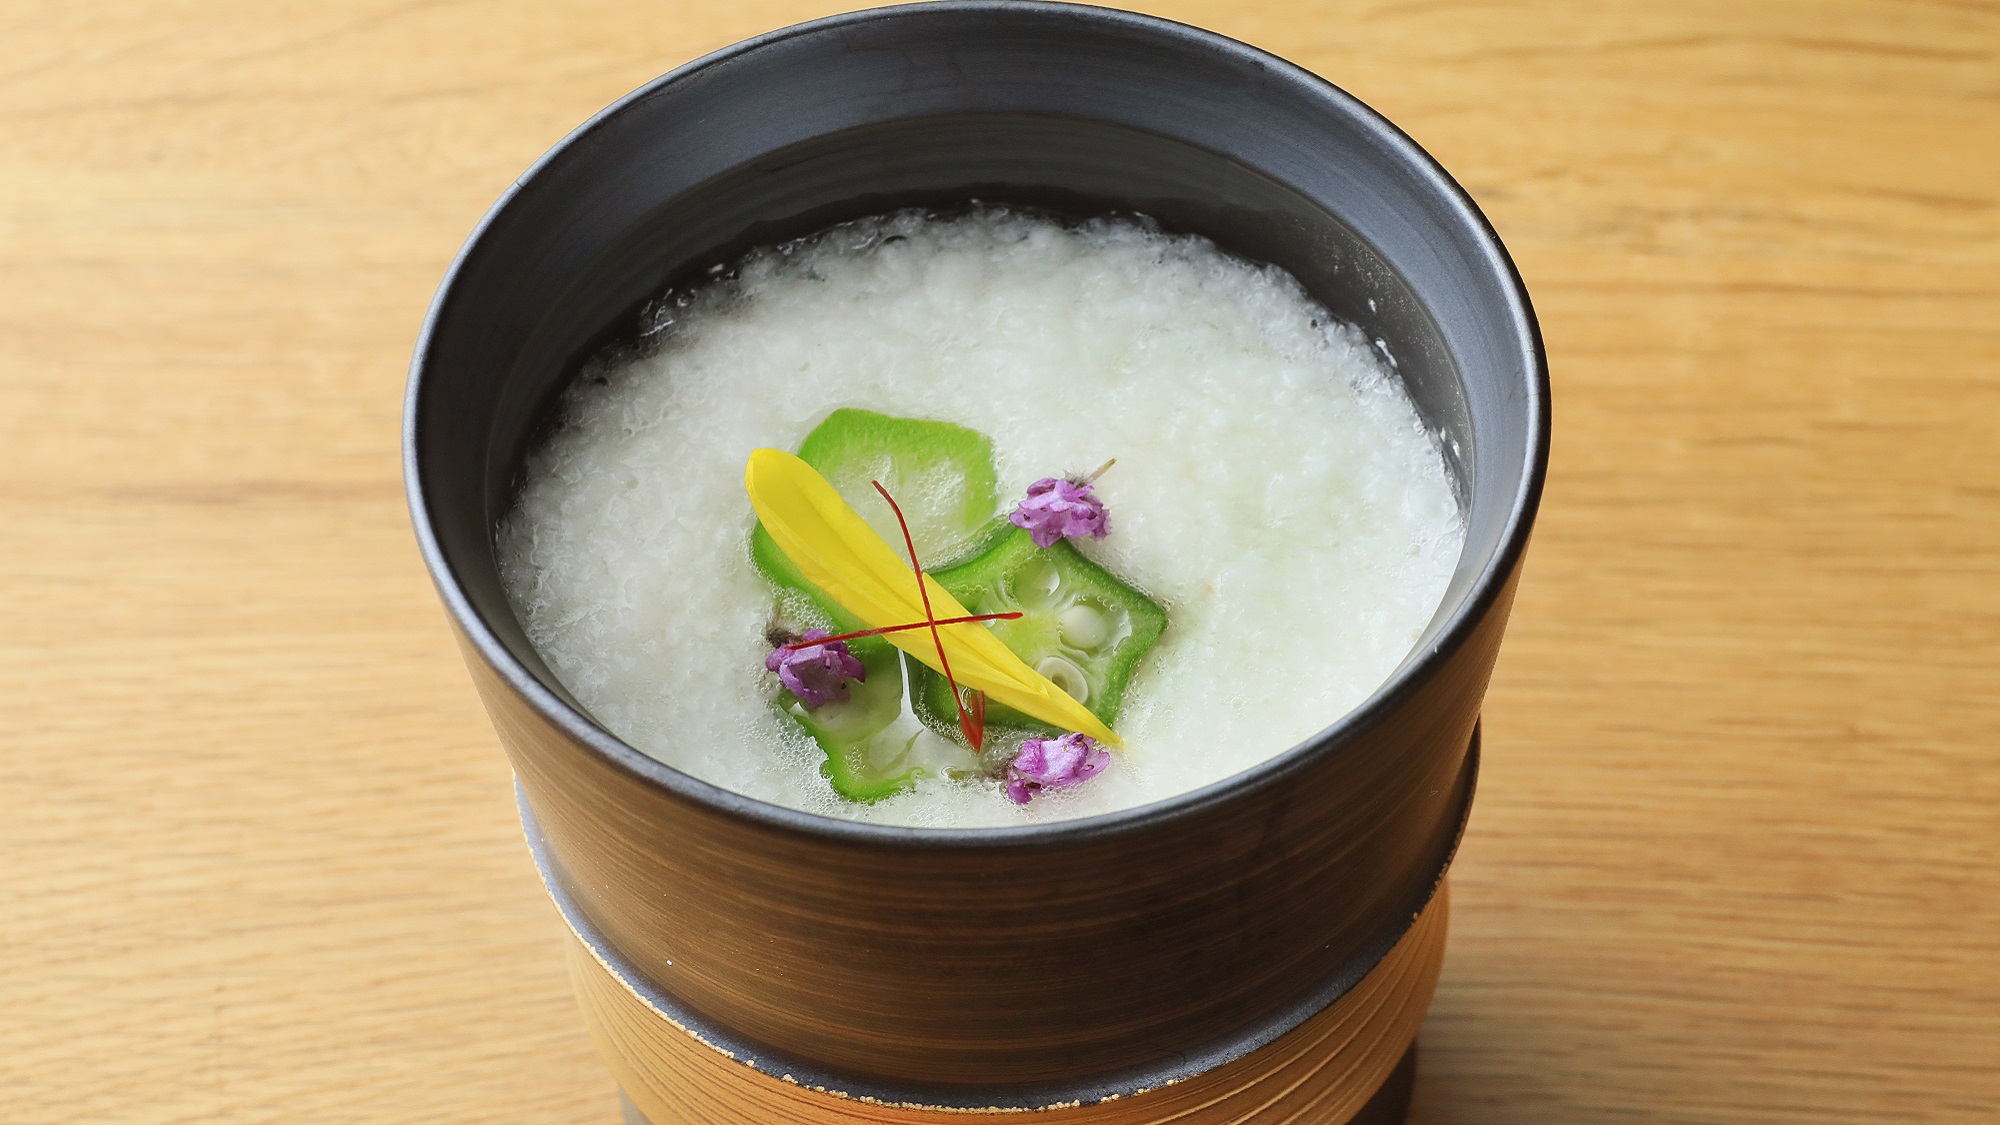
[[1054, 763], [1060, 509], [818, 673]]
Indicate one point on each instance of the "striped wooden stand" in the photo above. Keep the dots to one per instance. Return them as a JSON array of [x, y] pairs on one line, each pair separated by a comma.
[[1351, 1063]]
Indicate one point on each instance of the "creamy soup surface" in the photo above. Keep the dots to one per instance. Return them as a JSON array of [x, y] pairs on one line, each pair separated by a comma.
[[1275, 491]]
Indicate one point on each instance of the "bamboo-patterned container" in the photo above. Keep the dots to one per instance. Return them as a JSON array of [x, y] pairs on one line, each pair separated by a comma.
[[1260, 949]]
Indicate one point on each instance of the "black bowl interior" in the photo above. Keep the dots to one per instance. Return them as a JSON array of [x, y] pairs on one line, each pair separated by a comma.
[[1076, 110]]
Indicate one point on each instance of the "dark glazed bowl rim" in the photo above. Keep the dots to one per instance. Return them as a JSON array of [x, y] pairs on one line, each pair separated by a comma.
[[1419, 164]]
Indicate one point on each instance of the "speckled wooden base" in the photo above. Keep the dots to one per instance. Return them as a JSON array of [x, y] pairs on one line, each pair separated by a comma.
[[1352, 1063], [1389, 1106]]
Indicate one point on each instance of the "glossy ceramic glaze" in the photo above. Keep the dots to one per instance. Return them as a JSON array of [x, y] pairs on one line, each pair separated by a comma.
[[1011, 967]]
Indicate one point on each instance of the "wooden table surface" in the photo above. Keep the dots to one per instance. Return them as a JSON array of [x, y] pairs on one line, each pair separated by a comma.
[[1733, 858]]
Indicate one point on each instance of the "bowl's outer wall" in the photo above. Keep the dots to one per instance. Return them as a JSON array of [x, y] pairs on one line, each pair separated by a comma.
[[1039, 957], [1070, 962]]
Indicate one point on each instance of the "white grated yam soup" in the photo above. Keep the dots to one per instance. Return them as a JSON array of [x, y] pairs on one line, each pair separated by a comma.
[[1275, 491]]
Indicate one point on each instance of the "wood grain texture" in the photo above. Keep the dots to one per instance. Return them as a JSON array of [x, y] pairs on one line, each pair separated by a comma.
[[1326, 1070], [1732, 858]]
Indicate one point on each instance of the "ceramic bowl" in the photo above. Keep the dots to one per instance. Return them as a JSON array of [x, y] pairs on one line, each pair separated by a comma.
[[1017, 967]]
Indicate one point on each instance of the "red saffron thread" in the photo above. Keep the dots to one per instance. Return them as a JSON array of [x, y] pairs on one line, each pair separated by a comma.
[[975, 733], [1009, 616]]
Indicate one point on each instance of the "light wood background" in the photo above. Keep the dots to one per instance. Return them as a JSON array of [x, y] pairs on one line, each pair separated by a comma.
[[1734, 853]]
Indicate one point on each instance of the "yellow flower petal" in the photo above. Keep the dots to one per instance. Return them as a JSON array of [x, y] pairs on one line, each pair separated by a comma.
[[837, 551]]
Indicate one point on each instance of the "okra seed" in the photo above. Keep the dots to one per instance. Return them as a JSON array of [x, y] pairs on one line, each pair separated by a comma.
[[1066, 676], [1084, 627], [1037, 586]]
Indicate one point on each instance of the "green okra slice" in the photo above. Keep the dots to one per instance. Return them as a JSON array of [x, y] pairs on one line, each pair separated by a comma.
[[942, 476], [1081, 626], [940, 473], [874, 748]]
